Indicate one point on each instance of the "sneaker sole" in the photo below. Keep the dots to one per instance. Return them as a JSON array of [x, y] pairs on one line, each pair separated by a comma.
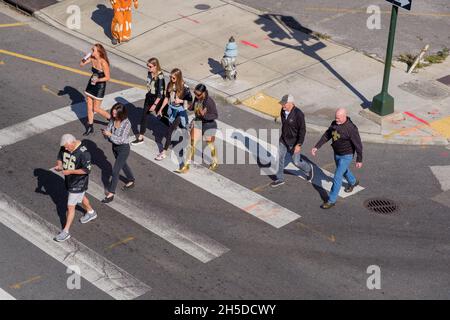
[[278, 185], [137, 143], [93, 218], [63, 239]]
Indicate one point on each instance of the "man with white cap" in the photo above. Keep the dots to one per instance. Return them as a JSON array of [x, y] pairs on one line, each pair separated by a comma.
[[74, 161], [293, 131]]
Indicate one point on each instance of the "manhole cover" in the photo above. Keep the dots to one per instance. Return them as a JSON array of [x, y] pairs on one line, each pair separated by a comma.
[[383, 206], [202, 7]]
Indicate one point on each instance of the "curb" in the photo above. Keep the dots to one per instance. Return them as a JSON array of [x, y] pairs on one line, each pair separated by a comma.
[[30, 6]]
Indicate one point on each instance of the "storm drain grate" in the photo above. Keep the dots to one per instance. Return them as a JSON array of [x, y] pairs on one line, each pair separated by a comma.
[[382, 206]]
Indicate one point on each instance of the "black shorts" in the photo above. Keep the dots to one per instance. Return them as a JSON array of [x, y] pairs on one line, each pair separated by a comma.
[[210, 128]]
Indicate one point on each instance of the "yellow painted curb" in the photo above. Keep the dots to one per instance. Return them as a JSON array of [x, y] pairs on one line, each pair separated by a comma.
[[264, 103]]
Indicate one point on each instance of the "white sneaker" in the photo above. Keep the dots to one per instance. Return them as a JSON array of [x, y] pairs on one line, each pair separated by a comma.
[[161, 156]]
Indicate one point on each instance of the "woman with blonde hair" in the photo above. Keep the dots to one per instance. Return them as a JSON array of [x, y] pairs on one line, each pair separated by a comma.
[[95, 90], [178, 98], [154, 97]]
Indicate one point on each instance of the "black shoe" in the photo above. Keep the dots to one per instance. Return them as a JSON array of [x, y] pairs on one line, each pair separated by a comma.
[[350, 188], [89, 130], [128, 187], [310, 175], [137, 141], [277, 183], [108, 199], [327, 205]]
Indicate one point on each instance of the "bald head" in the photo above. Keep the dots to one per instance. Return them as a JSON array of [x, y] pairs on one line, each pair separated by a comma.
[[341, 115]]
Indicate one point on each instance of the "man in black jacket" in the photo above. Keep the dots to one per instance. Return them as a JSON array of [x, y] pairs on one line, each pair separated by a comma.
[[293, 132], [346, 141]]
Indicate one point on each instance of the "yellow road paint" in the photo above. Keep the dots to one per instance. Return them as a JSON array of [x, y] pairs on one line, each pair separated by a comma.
[[8, 25], [331, 238], [21, 284], [264, 103], [59, 66], [442, 126], [46, 89], [260, 188], [340, 10], [124, 241]]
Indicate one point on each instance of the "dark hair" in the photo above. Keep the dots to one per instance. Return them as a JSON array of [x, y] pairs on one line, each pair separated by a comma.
[[122, 113], [202, 88]]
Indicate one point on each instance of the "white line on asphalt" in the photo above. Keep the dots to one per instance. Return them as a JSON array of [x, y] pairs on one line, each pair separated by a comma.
[[53, 119], [199, 246], [225, 189], [322, 178], [96, 269], [5, 295]]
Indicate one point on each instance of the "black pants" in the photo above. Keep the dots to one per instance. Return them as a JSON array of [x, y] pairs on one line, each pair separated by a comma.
[[121, 153], [172, 128], [149, 101]]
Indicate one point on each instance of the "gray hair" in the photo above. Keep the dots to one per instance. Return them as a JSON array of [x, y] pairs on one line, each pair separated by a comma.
[[67, 138]]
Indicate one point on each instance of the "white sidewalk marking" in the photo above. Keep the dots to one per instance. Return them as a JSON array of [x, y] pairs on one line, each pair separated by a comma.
[[59, 117], [225, 189], [196, 245], [96, 269], [442, 174], [5, 295]]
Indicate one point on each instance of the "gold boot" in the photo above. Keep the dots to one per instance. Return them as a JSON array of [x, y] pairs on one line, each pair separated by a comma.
[[185, 167], [213, 166]]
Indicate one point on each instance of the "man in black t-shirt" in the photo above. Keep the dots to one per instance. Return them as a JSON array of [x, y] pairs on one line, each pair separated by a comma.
[[74, 161]]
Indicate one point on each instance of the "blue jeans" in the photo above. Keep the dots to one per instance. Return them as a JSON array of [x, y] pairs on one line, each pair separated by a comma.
[[342, 170], [296, 159]]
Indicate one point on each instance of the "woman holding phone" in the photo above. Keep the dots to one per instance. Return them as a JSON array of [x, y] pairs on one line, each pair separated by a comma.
[[95, 90], [117, 132]]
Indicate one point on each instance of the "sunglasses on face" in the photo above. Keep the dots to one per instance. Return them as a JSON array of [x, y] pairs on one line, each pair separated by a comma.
[[150, 66], [198, 95]]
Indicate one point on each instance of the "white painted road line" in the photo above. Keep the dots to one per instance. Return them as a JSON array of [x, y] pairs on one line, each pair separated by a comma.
[[225, 189], [198, 246], [5, 295], [59, 117], [322, 178], [94, 268]]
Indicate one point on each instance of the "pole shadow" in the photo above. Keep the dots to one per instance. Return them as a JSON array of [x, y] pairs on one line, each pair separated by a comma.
[[281, 27]]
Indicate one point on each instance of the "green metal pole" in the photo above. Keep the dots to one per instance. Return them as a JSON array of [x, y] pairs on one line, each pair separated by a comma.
[[383, 103]]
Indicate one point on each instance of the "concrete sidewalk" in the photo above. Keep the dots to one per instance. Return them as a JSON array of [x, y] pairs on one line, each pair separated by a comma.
[[275, 58]]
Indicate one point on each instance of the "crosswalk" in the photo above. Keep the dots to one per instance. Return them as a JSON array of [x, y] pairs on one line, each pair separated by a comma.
[[5, 295], [98, 270]]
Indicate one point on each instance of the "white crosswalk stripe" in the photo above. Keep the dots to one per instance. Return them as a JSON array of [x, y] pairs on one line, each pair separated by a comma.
[[5, 295], [196, 245], [96, 269], [59, 117], [225, 189]]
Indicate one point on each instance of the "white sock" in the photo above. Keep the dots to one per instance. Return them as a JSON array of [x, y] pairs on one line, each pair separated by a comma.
[[91, 212]]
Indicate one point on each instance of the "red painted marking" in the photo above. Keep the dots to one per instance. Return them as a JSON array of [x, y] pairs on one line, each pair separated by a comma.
[[249, 44], [417, 118], [444, 154], [190, 19]]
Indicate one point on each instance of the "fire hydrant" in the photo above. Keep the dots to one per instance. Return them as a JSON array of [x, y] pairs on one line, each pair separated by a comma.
[[229, 59]]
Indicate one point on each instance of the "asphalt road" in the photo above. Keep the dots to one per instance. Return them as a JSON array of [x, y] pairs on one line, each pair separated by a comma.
[[322, 255], [346, 22]]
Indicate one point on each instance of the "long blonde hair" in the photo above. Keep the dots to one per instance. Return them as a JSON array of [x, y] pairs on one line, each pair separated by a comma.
[[102, 52], [179, 83], [155, 62]]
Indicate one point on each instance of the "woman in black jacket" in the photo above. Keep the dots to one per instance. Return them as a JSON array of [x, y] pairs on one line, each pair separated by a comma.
[[178, 98], [154, 96], [203, 125]]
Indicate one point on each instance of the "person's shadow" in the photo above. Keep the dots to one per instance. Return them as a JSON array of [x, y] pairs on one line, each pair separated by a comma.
[[99, 159], [103, 17], [49, 183], [78, 103]]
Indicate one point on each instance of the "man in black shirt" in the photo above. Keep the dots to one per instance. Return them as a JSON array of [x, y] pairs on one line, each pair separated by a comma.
[[74, 161], [293, 132], [346, 141]]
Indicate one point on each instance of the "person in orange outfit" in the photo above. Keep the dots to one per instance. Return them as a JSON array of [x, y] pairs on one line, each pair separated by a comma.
[[121, 23]]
